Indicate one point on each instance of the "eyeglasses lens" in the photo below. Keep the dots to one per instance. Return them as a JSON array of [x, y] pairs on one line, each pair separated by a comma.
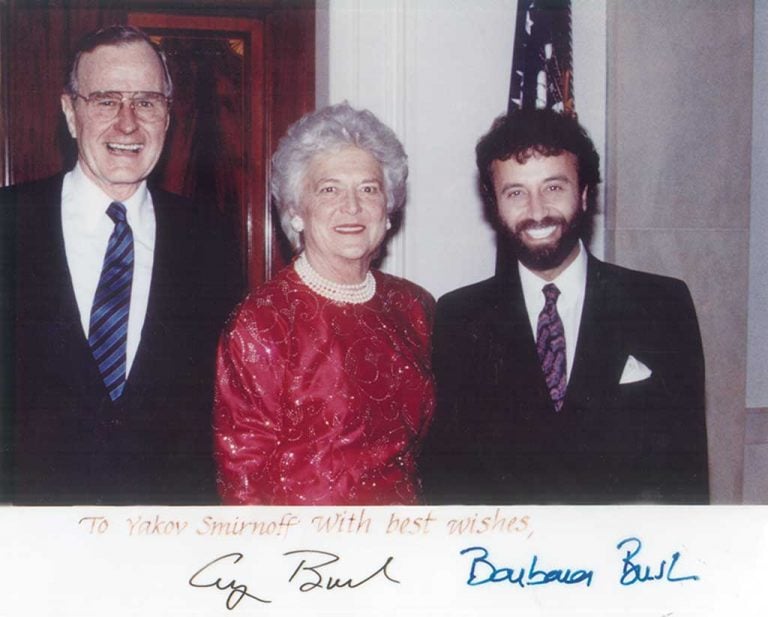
[[148, 106]]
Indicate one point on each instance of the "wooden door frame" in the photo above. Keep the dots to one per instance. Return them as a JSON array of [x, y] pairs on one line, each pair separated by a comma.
[[256, 217]]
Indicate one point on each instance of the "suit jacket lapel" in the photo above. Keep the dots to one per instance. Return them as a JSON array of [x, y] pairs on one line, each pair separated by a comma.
[[517, 346], [157, 314], [54, 280], [171, 292], [599, 357], [53, 262]]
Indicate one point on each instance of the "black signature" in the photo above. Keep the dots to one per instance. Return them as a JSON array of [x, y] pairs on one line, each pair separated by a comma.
[[313, 578], [237, 591]]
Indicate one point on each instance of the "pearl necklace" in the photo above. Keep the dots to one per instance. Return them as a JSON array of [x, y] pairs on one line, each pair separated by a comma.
[[356, 293]]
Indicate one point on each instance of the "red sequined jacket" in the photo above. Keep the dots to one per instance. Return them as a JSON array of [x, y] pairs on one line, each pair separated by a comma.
[[321, 403]]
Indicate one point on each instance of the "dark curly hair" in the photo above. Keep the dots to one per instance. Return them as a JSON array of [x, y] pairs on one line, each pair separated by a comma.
[[527, 131]]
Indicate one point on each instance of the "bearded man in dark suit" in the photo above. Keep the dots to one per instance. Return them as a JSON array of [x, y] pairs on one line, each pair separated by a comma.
[[562, 379], [117, 294]]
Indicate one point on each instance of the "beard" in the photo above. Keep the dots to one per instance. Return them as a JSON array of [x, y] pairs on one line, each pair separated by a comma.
[[546, 256]]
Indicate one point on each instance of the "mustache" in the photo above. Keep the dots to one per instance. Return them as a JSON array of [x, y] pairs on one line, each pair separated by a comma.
[[547, 221]]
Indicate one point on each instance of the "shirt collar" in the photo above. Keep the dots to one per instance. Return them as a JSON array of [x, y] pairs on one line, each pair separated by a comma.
[[571, 282], [90, 203]]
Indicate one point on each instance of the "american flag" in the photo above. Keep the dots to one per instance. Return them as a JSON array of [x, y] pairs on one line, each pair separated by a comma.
[[542, 64]]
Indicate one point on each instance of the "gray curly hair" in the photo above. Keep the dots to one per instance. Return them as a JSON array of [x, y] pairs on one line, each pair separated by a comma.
[[333, 128]]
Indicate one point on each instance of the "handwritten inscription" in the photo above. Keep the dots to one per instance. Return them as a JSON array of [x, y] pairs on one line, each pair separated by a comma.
[[307, 570], [156, 526], [410, 525], [483, 571], [95, 524], [236, 526], [311, 573], [343, 522], [634, 572], [359, 521], [204, 578], [476, 524]]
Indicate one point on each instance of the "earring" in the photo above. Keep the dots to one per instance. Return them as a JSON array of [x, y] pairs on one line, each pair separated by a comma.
[[297, 224], [389, 224]]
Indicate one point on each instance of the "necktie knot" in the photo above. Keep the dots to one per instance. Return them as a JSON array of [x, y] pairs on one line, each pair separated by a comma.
[[116, 212], [551, 293]]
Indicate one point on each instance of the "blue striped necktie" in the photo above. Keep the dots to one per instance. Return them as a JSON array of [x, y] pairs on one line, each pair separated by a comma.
[[108, 330]]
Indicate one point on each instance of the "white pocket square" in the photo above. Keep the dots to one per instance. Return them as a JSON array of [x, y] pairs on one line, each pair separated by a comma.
[[634, 370]]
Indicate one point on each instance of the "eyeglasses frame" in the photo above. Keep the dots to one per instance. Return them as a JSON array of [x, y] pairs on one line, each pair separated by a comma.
[[124, 97]]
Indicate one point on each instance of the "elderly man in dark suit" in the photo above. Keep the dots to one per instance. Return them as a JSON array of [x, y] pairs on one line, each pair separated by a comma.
[[118, 294], [562, 379]]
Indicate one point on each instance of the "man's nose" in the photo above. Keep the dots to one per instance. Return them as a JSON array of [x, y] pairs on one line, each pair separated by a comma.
[[537, 208], [126, 117]]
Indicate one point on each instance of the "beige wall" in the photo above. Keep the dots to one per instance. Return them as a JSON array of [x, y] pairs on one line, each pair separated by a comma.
[[756, 447], [678, 182]]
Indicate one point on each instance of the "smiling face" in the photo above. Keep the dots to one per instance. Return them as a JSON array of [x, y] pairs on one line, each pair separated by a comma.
[[541, 208], [117, 154], [344, 210]]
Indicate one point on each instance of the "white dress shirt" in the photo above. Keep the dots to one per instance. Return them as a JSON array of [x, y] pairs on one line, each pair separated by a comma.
[[86, 228], [572, 283]]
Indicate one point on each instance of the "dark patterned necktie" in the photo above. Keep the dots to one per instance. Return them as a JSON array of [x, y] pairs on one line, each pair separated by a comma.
[[550, 345], [108, 330]]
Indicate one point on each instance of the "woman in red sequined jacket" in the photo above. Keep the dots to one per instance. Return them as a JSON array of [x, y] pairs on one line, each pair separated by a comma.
[[324, 390]]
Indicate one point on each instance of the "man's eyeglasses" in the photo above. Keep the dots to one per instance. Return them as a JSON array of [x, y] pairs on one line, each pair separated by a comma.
[[148, 106]]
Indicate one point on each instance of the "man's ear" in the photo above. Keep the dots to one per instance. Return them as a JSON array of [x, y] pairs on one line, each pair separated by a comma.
[[68, 107], [584, 198]]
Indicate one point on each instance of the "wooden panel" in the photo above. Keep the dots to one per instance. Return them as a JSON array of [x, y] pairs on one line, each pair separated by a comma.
[[40, 45], [215, 146], [290, 42], [4, 50]]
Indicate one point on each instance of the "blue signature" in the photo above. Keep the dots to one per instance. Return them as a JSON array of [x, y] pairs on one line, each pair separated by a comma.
[[633, 572], [483, 571]]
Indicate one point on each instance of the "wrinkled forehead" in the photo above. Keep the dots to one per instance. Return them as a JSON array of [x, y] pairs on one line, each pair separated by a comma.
[[123, 67], [345, 160]]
